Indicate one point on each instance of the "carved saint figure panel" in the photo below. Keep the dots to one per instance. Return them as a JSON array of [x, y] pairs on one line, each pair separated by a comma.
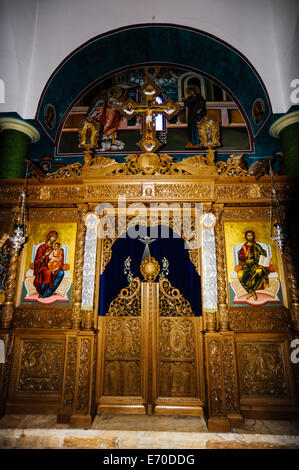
[[41, 366], [177, 379], [176, 339], [262, 370], [123, 338], [177, 344], [122, 378]]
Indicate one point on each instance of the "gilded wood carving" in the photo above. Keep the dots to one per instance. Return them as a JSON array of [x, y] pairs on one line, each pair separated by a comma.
[[171, 301], [70, 368], [261, 370], [57, 318], [85, 369], [213, 351], [128, 302], [229, 374], [41, 366], [263, 319]]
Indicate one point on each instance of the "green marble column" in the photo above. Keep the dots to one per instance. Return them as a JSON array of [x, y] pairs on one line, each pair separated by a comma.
[[287, 129], [15, 138]]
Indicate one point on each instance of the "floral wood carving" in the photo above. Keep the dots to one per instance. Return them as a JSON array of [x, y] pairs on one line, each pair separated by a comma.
[[52, 214], [230, 379], [82, 401], [261, 319], [70, 375], [171, 301], [247, 213], [215, 377], [59, 318], [128, 301], [70, 171]]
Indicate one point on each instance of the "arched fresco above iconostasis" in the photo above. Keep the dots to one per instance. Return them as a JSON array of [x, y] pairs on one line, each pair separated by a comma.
[[195, 94], [101, 75]]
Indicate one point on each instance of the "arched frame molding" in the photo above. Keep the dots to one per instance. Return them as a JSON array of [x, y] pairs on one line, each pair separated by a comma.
[[164, 44], [98, 252]]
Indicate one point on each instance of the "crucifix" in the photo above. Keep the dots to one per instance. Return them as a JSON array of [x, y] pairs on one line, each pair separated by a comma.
[[148, 109]]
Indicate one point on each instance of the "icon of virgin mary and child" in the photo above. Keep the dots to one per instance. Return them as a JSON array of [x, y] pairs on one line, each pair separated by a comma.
[[48, 266]]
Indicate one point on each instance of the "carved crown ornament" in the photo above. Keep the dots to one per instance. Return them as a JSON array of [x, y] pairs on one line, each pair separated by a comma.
[[149, 164]]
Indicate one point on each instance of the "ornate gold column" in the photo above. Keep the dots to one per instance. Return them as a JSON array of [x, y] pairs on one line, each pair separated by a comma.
[[230, 378], [221, 272], [209, 270], [293, 287], [222, 382], [76, 402], [11, 281], [82, 404], [10, 289], [218, 421], [76, 318]]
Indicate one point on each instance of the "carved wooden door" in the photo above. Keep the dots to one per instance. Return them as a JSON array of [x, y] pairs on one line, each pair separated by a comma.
[[150, 353], [178, 385]]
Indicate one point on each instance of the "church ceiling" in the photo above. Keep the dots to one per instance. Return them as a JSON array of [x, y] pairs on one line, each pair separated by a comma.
[[158, 44]]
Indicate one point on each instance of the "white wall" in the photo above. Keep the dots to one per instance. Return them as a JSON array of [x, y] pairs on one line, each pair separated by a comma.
[[286, 24], [17, 28], [64, 25]]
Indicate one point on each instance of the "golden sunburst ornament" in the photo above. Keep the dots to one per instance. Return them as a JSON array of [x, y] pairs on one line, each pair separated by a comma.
[[149, 268]]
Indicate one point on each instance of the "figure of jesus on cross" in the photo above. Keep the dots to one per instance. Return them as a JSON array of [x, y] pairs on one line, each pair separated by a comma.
[[149, 108]]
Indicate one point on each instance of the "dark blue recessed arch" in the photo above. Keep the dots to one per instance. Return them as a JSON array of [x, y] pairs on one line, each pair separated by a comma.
[[141, 44]]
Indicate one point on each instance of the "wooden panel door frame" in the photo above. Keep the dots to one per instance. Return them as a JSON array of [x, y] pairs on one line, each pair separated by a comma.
[[149, 401], [175, 405], [121, 404]]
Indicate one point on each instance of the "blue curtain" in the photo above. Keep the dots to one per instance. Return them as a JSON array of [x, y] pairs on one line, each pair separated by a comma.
[[182, 273]]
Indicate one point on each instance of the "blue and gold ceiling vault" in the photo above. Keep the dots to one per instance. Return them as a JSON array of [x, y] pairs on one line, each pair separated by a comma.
[[158, 44]]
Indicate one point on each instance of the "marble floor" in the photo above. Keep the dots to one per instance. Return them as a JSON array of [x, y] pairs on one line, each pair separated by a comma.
[[143, 432]]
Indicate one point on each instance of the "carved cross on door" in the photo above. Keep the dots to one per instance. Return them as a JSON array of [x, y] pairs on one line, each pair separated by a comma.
[[148, 109]]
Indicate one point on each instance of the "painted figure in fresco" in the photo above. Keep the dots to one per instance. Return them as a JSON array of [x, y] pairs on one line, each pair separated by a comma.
[[258, 111], [107, 112], [209, 131], [196, 111], [47, 276], [251, 274], [88, 135], [50, 117]]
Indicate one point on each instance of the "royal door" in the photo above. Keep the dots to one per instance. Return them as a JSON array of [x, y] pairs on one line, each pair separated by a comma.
[[150, 354]]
